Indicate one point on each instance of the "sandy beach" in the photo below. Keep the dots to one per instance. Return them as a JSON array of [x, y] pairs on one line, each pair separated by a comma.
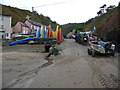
[[24, 66]]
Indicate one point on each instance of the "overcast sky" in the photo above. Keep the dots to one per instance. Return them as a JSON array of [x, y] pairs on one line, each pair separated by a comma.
[[63, 11]]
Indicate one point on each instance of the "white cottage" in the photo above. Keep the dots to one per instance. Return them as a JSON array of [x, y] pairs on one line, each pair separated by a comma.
[[5, 26]]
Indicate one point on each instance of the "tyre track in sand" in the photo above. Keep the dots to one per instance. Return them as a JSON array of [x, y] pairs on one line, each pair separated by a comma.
[[107, 81], [27, 75], [99, 78]]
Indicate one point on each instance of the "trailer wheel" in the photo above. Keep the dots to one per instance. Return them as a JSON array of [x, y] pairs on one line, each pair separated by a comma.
[[93, 53], [47, 48], [113, 53], [89, 51]]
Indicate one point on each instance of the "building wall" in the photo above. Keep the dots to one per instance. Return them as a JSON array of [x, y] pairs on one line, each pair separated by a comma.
[[26, 30], [21, 29], [1, 23], [17, 28], [33, 27], [28, 23], [5, 25]]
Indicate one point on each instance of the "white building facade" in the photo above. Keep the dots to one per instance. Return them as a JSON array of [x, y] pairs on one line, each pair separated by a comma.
[[5, 26]]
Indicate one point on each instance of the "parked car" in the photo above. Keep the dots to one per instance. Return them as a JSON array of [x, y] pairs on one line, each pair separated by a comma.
[[81, 38], [102, 47]]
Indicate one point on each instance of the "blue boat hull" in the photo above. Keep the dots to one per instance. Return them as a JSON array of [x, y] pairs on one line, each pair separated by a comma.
[[26, 40]]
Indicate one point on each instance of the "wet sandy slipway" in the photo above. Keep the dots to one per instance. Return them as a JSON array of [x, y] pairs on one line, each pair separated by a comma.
[[24, 66]]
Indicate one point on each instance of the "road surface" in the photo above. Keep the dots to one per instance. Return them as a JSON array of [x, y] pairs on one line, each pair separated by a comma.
[[26, 67]]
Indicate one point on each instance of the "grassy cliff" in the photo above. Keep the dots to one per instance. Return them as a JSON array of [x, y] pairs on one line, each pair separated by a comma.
[[20, 15], [71, 26], [105, 23]]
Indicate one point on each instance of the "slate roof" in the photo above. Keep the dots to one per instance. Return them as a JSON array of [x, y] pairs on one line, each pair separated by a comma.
[[23, 24], [35, 23]]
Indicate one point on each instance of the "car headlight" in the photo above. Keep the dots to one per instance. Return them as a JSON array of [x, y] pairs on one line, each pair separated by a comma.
[[100, 46], [112, 46], [101, 49], [85, 38]]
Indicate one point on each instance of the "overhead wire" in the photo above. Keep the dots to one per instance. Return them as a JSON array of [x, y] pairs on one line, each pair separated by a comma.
[[52, 4], [49, 4]]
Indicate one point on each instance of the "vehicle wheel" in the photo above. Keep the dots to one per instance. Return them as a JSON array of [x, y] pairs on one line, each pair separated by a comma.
[[79, 41], [47, 48], [113, 53], [76, 40], [89, 51], [93, 53]]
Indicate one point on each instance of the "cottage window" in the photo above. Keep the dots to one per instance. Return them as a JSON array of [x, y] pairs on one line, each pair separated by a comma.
[[32, 27], [25, 31], [6, 34], [1, 26], [19, 26], [1, 17]]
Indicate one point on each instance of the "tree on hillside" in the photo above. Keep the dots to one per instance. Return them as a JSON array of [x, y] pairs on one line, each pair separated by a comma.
[[103, 6], [102, 10], [99, 13], [110, 7]]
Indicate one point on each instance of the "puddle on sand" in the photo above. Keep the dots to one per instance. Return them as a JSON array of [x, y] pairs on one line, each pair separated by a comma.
[[28, 75], [50, 61]]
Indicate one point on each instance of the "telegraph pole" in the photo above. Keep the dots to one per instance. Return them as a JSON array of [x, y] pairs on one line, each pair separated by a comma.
[[32, 9]]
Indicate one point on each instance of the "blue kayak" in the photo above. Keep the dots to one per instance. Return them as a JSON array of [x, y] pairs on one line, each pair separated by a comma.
[[26, 40], [22, 41]]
